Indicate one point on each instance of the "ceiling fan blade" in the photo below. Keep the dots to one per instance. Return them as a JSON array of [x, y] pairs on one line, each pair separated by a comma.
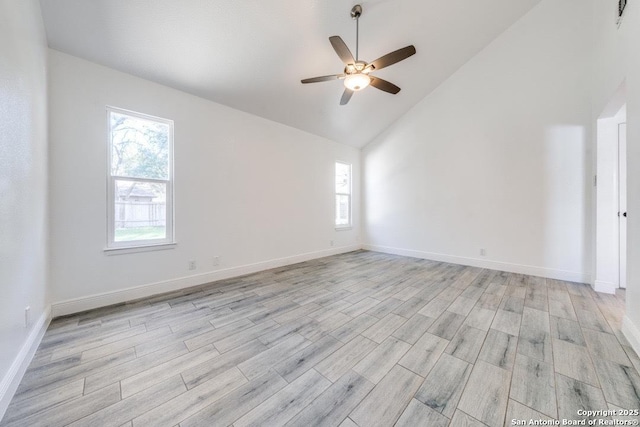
[[342, 50], [323, 78], [384, 85], [346, 96], [393, 57]]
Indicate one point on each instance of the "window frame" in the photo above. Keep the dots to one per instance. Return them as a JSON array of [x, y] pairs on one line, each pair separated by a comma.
[[150, 244], [349, 224]]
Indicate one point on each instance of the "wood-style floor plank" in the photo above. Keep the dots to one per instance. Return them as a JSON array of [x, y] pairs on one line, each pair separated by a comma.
[[487, 394], [605, 346], [620, 383], [261, 362], [574, 396], [353, 328], [480, 318], [384, 328], [507, 322], [333, 406], [446, 325], [414, 328], [419, 414], [73, 410], [443, 387], [522, 413], [574, 361], [211, 368], [127, 409], [187, 404], [357, 339], [237, 403], [535, 335], [499, 349], [567, 330], [300, 362], [533, 384], [42, 402], [466, 343], [380, 361], [386, 402], [145, 379], [460, 419], [424, 354], [286, 403], [341, 361], [125, 370]]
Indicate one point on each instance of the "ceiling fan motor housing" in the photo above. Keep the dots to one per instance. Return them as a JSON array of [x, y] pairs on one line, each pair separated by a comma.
[[358, 67]]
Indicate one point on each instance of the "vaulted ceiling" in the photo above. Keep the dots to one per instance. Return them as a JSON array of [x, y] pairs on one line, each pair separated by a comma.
[[252, 54]]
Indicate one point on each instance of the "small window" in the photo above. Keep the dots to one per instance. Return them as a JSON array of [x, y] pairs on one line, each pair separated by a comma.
[[343, 195], [140, 199]]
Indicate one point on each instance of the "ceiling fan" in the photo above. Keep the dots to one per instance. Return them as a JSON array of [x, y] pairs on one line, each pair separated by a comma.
[[356, 73]]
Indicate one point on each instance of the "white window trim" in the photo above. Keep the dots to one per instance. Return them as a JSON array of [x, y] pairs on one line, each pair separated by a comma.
[[135, 249], [169, 242], [349, 225]]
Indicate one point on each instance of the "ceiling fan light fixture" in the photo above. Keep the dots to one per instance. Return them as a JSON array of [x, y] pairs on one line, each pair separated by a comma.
[[356, 72], [357, 81]]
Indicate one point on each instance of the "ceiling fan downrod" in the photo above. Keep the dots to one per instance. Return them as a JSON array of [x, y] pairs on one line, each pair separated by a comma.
[[356, 11]]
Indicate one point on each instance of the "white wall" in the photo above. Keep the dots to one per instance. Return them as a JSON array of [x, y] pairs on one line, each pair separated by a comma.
[[617, 60], [632, 66], [497, 157], [607, 222], [23, 183], [248, 190]]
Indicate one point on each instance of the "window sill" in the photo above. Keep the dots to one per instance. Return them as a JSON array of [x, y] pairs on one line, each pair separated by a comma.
[[136, 249], [344, 228]]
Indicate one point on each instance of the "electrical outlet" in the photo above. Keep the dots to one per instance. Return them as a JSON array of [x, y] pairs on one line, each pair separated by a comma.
[[192, 265], [330, 242], [215, 261], [483, 252], [27, 310]]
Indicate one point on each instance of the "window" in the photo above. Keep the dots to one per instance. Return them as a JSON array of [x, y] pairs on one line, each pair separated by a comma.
[[343, 195], [140, 199]]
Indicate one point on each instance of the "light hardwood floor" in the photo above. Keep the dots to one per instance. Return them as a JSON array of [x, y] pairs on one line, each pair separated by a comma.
[[362, 339]]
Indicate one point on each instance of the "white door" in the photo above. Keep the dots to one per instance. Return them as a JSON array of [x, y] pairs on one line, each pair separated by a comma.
[[622, 200]]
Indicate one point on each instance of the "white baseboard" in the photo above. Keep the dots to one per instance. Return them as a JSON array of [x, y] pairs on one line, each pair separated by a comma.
[[604, 287], [631, 333], [569, 276], [76, 305], [14, 375]]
